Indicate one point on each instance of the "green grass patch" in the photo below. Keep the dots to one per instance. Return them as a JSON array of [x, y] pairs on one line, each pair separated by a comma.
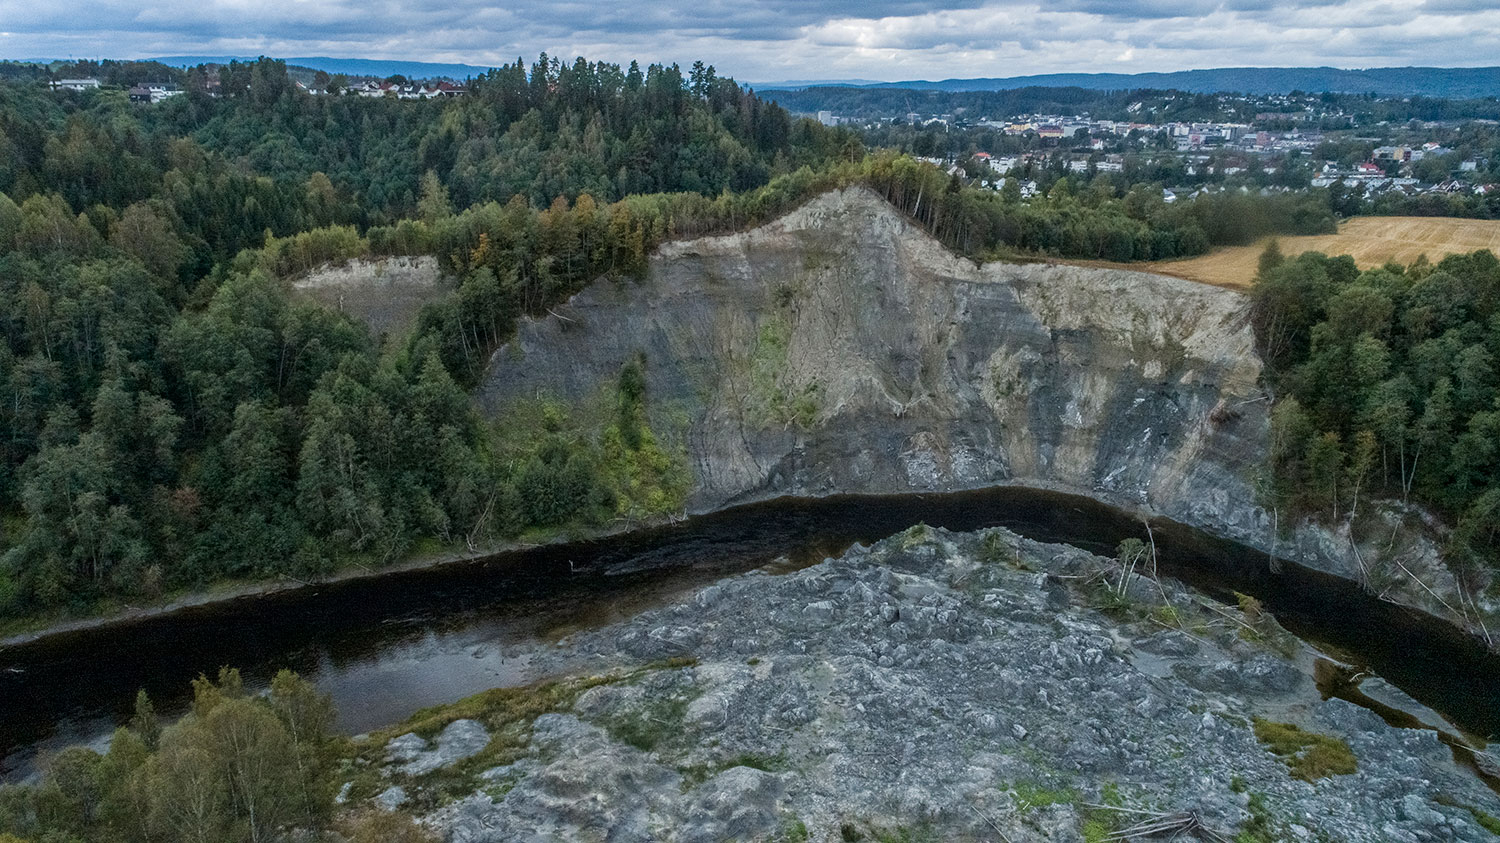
[[651, 725], [913, 536], [996, 548], [1102, 597], [508, 714], [697, 774], [1259, 828], [774, 399], [1309, 755], [1167, 616], [793, 830], [1099, 823], [1097, 829], [1031, 795]]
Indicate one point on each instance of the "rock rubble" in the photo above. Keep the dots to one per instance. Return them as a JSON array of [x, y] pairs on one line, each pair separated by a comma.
[[932, 687]]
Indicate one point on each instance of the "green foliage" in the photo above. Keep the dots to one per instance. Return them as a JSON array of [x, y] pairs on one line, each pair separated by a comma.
[[694, 775], [1308, 755], [573, 465], [1389, 386], [1260, 827], [1271, 257], [236, 768], [793, 830], [144, 723], [1097, 828], [914, 536]]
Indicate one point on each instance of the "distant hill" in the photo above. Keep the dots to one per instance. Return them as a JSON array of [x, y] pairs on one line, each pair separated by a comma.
[[798, 84], [1448, 82], [352, 67]]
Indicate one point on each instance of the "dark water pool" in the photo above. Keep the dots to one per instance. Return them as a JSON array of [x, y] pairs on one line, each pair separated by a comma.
[[387, 646]]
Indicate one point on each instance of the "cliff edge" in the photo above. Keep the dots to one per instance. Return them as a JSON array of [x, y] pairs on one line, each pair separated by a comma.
[[841, 348]]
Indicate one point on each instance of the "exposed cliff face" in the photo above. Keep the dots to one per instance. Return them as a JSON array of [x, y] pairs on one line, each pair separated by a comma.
[[385, 293], [842, 349]]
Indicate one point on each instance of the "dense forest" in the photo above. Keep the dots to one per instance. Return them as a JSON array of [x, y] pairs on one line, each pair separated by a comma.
[[172, 416], [1387, 387]]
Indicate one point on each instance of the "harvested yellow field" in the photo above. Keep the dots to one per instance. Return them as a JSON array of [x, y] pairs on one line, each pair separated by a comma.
[[1371, 240]]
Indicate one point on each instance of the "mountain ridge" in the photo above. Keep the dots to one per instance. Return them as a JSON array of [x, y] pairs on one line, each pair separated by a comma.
[[349, 66], [1442, 82], [1448, 82]]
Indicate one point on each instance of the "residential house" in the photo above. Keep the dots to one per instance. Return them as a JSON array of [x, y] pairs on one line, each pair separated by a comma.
[[76, 85], [152, 92]]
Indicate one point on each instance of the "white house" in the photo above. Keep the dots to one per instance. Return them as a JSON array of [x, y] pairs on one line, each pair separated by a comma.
[[76, 85]]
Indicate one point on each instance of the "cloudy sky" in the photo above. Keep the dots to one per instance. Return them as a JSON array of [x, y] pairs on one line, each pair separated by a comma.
[[772, 40]]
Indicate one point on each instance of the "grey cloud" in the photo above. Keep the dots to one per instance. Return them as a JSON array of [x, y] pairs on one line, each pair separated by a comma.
[[1157, 9], [1456, 6], [769, 39]]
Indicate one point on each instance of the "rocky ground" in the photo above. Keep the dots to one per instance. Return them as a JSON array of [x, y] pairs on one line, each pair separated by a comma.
[[935, 686]]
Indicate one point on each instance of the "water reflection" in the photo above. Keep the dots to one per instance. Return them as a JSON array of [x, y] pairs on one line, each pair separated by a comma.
[[387, 646]]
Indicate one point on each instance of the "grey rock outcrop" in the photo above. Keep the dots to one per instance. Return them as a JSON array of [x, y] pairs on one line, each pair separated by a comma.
[[384, 293], [995, 701], [459, 740], [840, 349]]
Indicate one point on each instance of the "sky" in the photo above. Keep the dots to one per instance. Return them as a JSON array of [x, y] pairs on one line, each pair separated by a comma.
[[777, 40]]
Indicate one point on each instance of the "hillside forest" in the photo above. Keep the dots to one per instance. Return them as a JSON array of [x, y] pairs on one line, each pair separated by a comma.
[[1387, 387], [171, 416]]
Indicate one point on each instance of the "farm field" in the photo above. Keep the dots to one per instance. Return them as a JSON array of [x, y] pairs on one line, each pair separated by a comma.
[[1371, 240]]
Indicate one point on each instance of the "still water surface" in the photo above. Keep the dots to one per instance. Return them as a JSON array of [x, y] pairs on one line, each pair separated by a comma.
[[386, 646]]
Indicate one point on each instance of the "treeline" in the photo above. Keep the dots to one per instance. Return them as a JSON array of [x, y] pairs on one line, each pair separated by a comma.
[[514, 259], [552, 130], [120, 73], [170, 416], [1389, 386], [238, 767], [1350, 202], [1091, 221]]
